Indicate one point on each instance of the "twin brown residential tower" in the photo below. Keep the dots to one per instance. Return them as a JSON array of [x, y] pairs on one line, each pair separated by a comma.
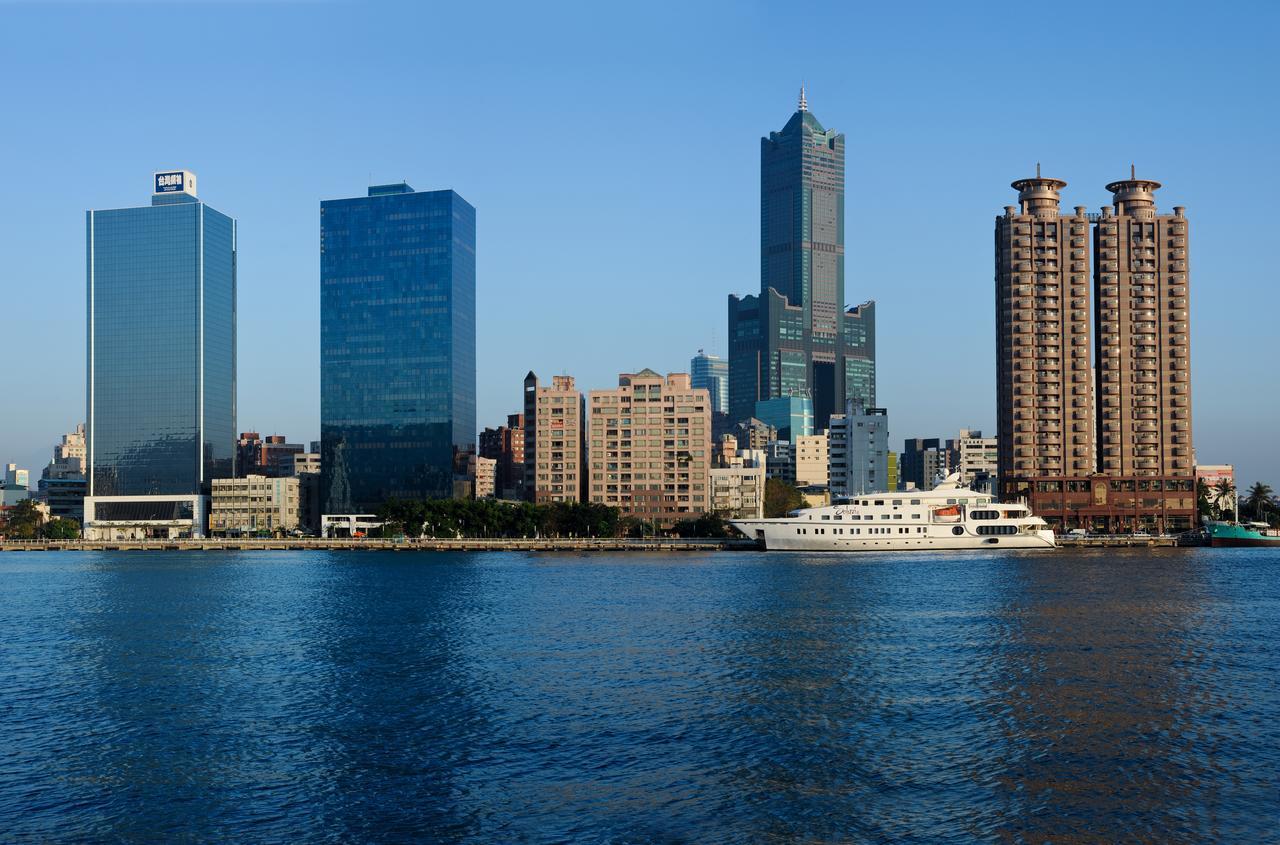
[[1093, 359]]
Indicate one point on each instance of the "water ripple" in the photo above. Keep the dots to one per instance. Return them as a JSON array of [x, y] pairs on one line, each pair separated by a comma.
[[351, 697]]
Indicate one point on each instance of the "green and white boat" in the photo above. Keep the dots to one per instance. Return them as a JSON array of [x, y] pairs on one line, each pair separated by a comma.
[[1227, 534]]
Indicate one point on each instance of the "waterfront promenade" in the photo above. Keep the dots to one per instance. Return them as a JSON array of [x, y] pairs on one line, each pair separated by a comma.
[[504, 544], [530, 544]]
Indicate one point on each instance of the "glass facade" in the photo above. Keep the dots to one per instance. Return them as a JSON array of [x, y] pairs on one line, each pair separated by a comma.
[[798, 338], [792, 416], [397, 345], [161, 375], [711, 372]]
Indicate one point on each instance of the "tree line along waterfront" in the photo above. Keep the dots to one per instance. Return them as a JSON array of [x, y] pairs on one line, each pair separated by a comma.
[[492, 518], [1221, 501], [481, 518]]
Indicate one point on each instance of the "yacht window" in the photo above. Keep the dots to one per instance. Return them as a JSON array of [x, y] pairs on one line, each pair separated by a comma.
[[951, 501], [915, 516], [958, 530], [915, 501], [839, 517], [826, 516], [897, 516], [897, 503]]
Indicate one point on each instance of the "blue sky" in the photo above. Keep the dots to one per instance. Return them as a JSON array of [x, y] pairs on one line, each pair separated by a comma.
[[613, 158]]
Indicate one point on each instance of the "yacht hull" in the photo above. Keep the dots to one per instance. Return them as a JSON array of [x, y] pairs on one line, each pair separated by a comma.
[[780, 536]]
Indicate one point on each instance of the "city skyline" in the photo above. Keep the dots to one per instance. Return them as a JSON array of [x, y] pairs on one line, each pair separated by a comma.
[[891, 170]]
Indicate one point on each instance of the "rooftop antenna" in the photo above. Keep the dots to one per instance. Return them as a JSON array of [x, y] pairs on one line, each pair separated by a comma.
[[1133, 172], [804, 104], [1037, 170]]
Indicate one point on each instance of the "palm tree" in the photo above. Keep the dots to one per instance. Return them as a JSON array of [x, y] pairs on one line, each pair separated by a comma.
[[1259, 499], [1204, 500], [1225, 492]]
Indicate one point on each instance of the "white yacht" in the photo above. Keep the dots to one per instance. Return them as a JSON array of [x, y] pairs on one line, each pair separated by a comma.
[[946, 517]]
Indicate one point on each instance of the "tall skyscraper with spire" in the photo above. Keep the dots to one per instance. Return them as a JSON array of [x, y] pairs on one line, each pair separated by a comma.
[[797, 338]]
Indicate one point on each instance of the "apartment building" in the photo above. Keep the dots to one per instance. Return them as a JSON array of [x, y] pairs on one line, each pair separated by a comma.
[[649, 447], [553, 440], [1106, 447]]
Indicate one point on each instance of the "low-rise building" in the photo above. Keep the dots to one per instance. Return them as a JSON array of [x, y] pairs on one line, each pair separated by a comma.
[[145, 517], [973, 456], [349, 525], [754, 433], [297, 463], [484, 471], [1213, 475], [305, 466], [737, 492], [14, 485], [270, 455], [254, 504], [780, 461], [923, 463], [9, 531], [505, 444], [63, 483], [812, 460]]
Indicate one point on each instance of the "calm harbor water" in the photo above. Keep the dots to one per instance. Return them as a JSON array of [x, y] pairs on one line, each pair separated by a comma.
[[1070, 697]]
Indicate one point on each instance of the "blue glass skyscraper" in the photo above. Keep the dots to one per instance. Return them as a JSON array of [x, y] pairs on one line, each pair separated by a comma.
[[161, 349], [397, 345], [712, 373]]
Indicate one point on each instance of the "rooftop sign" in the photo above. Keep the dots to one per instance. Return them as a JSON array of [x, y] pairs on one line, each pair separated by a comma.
[[175, 181]]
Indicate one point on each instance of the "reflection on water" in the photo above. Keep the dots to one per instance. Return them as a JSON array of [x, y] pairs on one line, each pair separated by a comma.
[[722, 698]]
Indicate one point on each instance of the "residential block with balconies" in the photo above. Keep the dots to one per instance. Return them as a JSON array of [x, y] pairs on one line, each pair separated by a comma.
[[553, 433], [1107, 448], [649, 447]]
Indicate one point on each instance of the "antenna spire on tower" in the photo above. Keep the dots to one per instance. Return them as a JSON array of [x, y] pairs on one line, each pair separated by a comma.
[[1133, 172], [1037, 170], [804, 104]]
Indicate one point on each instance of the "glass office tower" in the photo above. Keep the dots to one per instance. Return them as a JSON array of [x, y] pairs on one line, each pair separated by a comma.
[[711, 372], [397, 345], [161, 349], [797, 337]]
